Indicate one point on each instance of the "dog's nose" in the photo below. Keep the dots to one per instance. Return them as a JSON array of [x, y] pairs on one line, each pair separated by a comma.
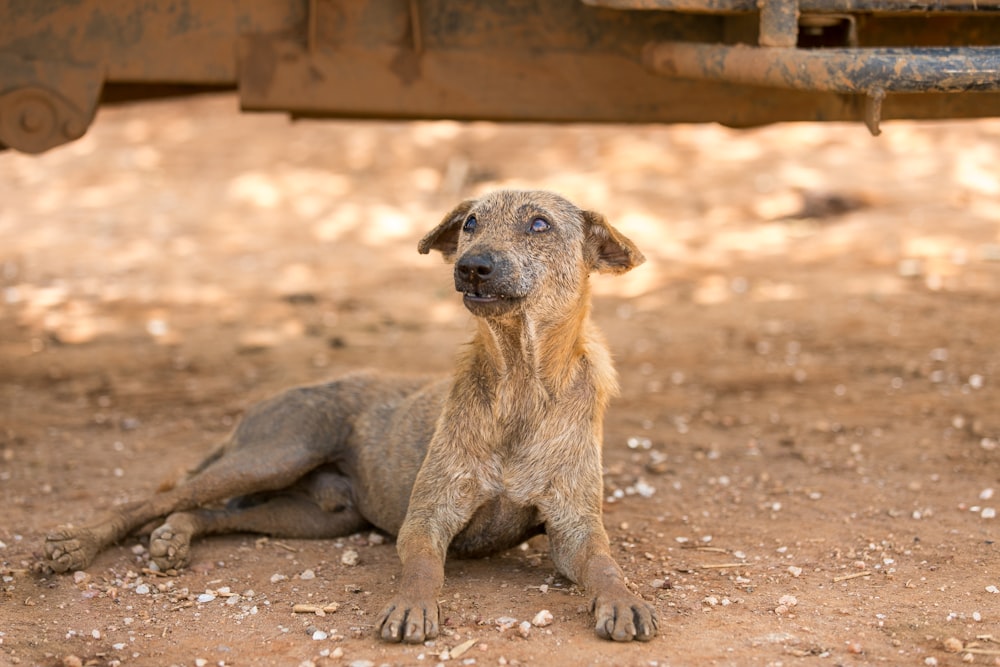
[[475, 268]]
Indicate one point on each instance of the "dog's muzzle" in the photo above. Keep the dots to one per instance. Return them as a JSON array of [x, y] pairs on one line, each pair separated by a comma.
[[484, 281]]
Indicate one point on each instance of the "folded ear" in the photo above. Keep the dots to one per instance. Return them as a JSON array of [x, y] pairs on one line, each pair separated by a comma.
[[606, 249], [444, 237]]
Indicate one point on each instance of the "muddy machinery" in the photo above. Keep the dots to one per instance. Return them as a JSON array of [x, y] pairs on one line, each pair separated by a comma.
[[737, 62]]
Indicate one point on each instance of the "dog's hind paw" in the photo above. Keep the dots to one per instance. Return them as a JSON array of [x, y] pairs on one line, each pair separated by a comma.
[[624, 619], [68, 548], [169, 547]]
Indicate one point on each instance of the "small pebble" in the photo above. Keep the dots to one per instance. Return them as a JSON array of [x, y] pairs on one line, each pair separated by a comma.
[[460, 650], [505, 623], [639, 443], [953, 645], [349, 558], [319, 635], [644, 489], [275, 578], [307, 575], [142, 589], [205, 598], [542, 619], [524, 629]]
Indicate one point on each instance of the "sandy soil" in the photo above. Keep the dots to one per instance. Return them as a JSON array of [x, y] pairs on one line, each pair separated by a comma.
[[802, 468]]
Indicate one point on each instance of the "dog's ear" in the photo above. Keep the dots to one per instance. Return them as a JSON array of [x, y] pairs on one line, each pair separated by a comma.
[[444, 237], [607, 250]]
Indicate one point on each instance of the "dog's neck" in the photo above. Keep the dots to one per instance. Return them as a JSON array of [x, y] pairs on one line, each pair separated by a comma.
[[549, 348]]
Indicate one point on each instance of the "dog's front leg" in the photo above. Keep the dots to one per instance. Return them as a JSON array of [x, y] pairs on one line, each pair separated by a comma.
[[438, 510], [412, 616], [580, 550], [619, 614]]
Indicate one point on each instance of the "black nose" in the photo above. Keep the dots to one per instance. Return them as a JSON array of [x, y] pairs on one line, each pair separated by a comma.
[[475, 268]]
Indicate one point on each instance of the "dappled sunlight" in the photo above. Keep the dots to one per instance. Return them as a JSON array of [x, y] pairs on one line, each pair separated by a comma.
[[655, 235], [796, 175], [760, 240], [979, 170], [446, 311], [939, 245], [255, 189], [427, 134], [386, 224], [329, 209], [338, 222], [635, 283]]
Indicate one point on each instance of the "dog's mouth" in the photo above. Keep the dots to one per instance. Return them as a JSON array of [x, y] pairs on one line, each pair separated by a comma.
[[485, 303], [483, 298]]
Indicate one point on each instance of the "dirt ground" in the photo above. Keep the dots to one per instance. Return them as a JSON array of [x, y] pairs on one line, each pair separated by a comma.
[[802, 468]]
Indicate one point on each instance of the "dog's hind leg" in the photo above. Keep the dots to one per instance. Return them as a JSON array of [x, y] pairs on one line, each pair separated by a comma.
[[318, 507], [276, 445], [281, 516]]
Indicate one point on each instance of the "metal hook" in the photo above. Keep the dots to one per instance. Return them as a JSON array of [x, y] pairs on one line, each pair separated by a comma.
[[873, 110]]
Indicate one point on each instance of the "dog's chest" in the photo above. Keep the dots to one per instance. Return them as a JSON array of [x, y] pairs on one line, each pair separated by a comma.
[[496, 525]]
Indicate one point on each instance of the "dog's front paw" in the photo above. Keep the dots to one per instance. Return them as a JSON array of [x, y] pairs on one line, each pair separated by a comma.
[[68, 548], [169, 547], [405, 620], [624, 617]]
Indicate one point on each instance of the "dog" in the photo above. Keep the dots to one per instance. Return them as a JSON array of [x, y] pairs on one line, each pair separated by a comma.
[[507, 448]]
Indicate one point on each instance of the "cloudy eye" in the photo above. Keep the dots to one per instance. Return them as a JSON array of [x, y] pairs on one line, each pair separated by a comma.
[[539, 225], [470, 224]]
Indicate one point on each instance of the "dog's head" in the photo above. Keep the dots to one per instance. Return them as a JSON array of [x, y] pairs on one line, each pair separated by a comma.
[[514, 249]]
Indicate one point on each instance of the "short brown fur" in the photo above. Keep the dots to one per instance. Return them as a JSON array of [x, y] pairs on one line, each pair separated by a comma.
[[507, 448]]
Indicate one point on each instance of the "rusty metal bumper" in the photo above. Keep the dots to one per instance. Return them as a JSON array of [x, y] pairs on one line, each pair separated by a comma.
[[872, 72]]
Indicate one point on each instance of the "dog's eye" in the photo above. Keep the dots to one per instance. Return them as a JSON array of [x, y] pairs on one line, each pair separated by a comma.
[[539, 225], [470, 224]]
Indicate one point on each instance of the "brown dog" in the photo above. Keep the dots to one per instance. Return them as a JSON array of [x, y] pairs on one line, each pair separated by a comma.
[[506, 449]]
